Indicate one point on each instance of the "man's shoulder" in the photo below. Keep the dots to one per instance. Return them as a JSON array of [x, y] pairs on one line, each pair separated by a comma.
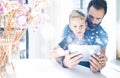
[[99, 30], [100, 27]]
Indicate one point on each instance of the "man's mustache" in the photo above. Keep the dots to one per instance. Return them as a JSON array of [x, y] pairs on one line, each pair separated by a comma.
[[94, 24]]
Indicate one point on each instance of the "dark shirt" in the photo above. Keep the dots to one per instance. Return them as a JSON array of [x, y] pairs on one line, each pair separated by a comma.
[[96, 36]]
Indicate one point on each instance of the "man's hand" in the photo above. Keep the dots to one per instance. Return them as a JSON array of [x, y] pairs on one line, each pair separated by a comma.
[[97, 62], [72, 59]]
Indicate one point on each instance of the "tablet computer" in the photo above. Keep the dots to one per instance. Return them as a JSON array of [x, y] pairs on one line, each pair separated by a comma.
[[85, 50]]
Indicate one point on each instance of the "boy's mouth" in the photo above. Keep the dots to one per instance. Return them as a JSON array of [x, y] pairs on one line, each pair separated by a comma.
[[79, 32]]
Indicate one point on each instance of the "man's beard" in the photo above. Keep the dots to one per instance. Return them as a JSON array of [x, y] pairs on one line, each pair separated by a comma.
[[91, 25]]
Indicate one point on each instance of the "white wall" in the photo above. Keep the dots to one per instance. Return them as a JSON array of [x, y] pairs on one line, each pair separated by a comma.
[[39, 41], [118, 10], [109, 24]]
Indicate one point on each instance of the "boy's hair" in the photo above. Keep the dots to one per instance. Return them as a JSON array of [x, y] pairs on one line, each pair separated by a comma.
[[77, 14], [98, 4]]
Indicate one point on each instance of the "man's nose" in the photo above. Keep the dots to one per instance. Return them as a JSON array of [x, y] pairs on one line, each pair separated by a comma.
[[94, 21]]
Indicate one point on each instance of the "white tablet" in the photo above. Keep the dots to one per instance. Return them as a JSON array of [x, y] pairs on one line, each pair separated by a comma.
[[85, 50]]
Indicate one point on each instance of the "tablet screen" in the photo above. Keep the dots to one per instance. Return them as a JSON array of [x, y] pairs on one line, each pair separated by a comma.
[[85, 50]]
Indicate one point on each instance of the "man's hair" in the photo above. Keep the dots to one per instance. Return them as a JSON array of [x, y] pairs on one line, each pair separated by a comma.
[[98, 4], [77, 14]]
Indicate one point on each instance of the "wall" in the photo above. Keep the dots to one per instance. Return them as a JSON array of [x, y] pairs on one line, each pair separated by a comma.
[[118, 28], [109, 24], [118, 10]]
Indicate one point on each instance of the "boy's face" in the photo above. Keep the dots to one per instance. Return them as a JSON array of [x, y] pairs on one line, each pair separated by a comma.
[[78, 27]]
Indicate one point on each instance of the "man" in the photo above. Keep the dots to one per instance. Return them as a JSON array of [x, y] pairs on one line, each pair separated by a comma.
[[94, 35]]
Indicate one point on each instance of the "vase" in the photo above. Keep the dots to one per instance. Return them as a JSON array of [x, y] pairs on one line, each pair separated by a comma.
[[7, 49]]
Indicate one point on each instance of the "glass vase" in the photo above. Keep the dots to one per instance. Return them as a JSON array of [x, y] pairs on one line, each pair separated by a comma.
[[7, 49]]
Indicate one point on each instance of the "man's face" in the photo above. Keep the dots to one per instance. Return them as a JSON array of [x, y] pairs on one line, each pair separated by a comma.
[[95, 16]]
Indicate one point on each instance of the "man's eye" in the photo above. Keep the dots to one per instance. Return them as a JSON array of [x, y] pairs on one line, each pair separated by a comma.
[[90, 16], [98, 18]]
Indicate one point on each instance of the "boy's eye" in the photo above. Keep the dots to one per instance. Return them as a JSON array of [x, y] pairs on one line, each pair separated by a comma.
[[75, 26], [81, 25]]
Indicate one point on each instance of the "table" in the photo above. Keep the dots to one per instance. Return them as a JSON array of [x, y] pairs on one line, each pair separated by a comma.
[[44, 68], [110, 71]]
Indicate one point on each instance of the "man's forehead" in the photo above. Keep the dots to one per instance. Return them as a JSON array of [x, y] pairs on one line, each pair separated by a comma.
[[97, 13]]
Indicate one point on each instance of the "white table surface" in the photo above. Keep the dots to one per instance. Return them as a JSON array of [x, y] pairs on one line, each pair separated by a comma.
[[44, 68], [111, 70]]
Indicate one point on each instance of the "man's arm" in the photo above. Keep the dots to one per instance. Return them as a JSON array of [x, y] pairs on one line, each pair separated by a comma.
[[69, 60], [57, 52], [59, 59]]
